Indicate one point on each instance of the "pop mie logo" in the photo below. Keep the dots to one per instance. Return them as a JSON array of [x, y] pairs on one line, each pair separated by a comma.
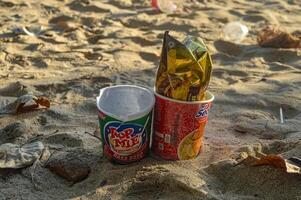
[[124, 138]]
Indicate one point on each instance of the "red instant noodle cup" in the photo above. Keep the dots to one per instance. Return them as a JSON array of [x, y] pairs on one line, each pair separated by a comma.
[[179, 127]]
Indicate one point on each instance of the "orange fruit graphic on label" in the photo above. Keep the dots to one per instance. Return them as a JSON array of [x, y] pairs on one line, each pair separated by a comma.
[[190, 146]]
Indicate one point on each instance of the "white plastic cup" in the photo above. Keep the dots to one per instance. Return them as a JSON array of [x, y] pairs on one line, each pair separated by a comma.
[[235, 32]]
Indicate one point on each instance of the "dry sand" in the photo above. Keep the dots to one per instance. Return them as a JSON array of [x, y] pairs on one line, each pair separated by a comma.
[[84, 48]]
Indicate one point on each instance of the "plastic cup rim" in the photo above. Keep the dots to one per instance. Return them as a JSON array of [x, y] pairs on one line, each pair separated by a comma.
[[134, 116]]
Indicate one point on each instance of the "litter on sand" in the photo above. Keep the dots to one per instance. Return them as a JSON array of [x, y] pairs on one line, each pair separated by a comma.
[[13, 156], [277, 38], [261, 159], [25, 103]]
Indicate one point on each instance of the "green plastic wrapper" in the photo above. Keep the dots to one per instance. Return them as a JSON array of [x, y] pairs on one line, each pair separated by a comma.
[[185, 69]]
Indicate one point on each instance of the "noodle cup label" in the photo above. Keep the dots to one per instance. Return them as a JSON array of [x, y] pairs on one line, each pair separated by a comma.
[[124, 139], [125, 142], [125, 114], [179, 127], [202, 114]]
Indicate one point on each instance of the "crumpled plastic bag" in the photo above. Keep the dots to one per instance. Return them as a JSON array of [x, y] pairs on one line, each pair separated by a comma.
[[185, 68], [14, 156], [25, 103], [277, 38]]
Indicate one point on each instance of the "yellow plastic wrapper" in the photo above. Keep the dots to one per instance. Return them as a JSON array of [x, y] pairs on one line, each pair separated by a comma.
[[185, 69]]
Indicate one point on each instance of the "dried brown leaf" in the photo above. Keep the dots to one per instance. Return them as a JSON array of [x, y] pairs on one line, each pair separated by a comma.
[[43, 101], [277, 38], [25, 103], [272, 160]]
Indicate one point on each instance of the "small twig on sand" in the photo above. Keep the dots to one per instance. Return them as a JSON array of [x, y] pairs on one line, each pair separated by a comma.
[[42, 136], [32, 175], [34, 169], [239, 162], [92, 135]]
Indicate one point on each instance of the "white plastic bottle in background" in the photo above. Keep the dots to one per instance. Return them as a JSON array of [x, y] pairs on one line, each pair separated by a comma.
[[166, 6], [235, 32]]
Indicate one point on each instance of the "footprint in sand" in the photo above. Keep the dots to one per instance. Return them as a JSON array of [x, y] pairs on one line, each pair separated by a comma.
[[85, 6], [16, 89], [261, 182], [228, 48], [129, 60], [143, 41], [255, 18], [85, 86], [144, 77], [263, 125], [231, 76], [277, 66], [280, 55], [50, 10], [16, 133], [159, 183], [282, 147], [122, 3], [39, 62], [60, 18]]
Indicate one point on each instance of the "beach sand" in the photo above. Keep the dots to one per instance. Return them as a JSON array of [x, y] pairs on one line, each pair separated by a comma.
[[86, 45]]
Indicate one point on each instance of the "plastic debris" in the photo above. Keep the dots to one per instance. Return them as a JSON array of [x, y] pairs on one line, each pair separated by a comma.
[[277, 38], [33, 30], [165, 6], [281, 116], [235, 32], [14, 156], [185, 68]]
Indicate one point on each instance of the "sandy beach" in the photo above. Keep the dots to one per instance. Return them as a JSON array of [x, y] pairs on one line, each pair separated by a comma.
[[85, 45]]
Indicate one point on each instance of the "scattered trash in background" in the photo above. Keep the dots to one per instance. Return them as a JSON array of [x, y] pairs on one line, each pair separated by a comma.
[[13, 156], [281, 116], [34, 30], [165, 6], [235, 32], [25, 103], [261, 159], [277, 38]]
